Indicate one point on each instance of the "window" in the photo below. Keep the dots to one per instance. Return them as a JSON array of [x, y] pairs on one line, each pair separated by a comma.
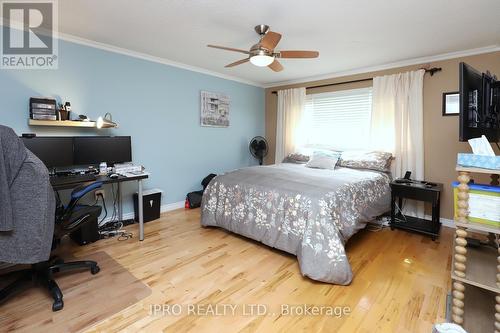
[[338, 120]]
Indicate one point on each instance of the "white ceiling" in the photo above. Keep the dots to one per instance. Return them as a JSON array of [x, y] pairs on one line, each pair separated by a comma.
[[349, 34]]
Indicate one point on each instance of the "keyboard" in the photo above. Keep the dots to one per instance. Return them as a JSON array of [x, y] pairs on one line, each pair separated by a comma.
[[63, 180]]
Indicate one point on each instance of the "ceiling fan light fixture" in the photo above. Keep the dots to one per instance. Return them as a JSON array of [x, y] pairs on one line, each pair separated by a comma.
[[264, 53], [261, 60]]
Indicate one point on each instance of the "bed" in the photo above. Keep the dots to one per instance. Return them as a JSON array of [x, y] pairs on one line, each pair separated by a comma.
[[310, 213]]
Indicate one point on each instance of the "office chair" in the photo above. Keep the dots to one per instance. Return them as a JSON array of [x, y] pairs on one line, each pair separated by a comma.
[[67, 219]]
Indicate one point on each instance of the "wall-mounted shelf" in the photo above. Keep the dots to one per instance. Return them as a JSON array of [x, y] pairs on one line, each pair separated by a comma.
[[66, 123], [62, 123]]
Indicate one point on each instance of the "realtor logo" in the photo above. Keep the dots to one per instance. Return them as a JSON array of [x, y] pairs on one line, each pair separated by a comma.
[[29, 38]]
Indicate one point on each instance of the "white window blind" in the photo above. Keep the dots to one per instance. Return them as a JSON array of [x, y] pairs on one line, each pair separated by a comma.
[[339, 120]]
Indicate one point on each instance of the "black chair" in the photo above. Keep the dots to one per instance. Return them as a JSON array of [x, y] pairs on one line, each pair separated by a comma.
[[68, 219]]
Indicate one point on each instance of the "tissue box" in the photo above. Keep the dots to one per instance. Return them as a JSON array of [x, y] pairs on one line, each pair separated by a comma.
[[484, 203], [479, 161]]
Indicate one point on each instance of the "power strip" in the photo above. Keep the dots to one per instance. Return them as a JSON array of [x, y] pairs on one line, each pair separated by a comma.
[[384, 221]]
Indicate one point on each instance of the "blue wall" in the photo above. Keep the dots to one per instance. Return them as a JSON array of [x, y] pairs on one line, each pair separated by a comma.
[[156, 104]]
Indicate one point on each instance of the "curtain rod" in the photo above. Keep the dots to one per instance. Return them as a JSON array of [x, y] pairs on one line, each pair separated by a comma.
[[430, 70]]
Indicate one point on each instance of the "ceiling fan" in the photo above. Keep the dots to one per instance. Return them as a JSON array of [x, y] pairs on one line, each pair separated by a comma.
[[263, 54]]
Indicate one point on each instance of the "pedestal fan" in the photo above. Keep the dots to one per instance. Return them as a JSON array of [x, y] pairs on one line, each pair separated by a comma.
[[259, 148]]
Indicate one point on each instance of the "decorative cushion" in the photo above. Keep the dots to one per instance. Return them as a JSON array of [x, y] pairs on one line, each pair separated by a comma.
[[296, 158], [371, 160], [323, 159]]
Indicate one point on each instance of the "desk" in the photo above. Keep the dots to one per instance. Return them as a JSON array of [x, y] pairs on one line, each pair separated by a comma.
[[108, 180]]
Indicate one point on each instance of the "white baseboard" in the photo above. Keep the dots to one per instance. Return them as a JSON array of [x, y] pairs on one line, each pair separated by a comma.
[[446, 222], [172, 206], [163, 209]]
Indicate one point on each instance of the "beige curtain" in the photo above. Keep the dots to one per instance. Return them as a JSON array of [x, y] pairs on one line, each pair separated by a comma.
[[397, 120], [397, 123], [291, 103]]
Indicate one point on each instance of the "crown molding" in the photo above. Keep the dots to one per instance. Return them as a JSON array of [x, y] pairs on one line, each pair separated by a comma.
[[402, 63], [144, 56], [361, 70], [148, 57]]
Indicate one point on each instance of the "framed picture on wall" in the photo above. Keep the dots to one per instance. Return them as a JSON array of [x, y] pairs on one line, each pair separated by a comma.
[[451, 104], [214, 109]]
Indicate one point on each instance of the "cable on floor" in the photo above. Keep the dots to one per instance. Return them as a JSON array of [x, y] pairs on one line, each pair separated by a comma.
[[378, 224], [114, 227]]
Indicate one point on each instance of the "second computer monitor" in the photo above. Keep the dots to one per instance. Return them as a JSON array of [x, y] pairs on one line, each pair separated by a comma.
[[96, 149]]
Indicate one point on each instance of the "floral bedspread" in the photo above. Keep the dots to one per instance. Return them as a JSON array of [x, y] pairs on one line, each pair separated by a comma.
[[310, 213]]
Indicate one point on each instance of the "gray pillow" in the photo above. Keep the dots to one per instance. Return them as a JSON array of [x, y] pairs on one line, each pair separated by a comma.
[[296, 158], [371, 160], [323, 159]]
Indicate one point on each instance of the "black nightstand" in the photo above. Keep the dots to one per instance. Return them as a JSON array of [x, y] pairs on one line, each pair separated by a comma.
[[421, 191]]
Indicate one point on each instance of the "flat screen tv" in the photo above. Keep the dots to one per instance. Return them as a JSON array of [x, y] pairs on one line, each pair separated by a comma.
[[479, 104]]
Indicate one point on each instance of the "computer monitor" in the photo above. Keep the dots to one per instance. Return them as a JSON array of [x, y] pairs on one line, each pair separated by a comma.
[[52, 151], [90, 150]]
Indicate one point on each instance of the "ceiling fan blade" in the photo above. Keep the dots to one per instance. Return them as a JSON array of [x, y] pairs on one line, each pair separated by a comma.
[[228, 49], [298, 54], [270, 40], [276, 66], [239, 62]]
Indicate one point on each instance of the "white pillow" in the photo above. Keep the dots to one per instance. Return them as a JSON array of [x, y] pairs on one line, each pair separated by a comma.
[[323, 160]]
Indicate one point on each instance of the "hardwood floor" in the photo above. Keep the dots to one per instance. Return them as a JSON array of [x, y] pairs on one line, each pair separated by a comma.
[[400, 282]]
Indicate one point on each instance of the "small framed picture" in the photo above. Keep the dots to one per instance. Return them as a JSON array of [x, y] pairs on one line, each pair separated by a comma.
[[451, 104]]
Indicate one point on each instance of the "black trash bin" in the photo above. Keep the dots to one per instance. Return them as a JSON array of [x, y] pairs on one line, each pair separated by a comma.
[[151, 203]]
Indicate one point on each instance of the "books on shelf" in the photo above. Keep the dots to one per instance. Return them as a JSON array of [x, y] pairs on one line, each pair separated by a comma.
[[43, 109], [43, 117]]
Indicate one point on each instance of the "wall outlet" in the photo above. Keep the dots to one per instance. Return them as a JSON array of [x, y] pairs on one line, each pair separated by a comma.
[[98, 193]]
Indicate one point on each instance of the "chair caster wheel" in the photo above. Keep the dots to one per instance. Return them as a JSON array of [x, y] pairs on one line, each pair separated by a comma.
[[94, 270], [58, 305]]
